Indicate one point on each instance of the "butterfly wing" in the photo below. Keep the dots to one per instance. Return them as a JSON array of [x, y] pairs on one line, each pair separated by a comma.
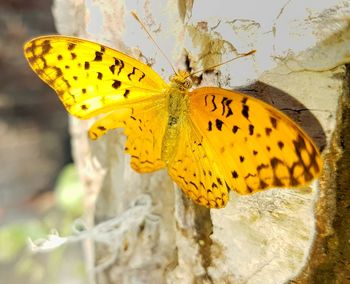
[[144, 125], [194, 171], [245, 145], [92, 79], [254, 144]]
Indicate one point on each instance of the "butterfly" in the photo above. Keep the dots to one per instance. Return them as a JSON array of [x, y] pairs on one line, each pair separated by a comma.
[[210, 140]]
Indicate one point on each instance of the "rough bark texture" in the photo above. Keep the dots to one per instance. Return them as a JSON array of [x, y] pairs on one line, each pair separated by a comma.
[[270, 237]]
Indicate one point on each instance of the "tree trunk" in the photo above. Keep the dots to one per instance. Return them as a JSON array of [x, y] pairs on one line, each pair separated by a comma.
[[270, 237]]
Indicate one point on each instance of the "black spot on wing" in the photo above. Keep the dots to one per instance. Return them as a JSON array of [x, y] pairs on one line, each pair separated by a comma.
[[116, 84], [273, 122], [280, 144], [229, 111], [142, 76], [249, 175], [214, 104], [263, 184], [275, 162], [249, 189], [223, 105], [261, 167], [268, 131], [132, 73], [71, 46], [227, 186], [226, 108], [46, 47], [134, 69], [126, 93], [210, 125], [251, 129], [59, 74], [121, 66], [117, 63], [277, 181], [219, 124], [194, 185], [245, 111], [98, 56]]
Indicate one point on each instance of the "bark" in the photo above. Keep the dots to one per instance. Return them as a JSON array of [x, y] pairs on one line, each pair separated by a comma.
[[271, 237]]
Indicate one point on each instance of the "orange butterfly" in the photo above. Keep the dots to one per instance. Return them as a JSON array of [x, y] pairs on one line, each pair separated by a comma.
[[211, 140]]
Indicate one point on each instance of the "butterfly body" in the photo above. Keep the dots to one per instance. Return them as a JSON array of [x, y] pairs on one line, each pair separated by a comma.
[[177, 106], [209, 139]]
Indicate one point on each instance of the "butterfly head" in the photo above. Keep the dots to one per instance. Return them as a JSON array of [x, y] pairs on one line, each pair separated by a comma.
[[181, 80]]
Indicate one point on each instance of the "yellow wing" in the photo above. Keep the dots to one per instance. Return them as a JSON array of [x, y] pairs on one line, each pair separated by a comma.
[[91, 79], [195, 172], [144, 125], [233, 141], [253, 145]]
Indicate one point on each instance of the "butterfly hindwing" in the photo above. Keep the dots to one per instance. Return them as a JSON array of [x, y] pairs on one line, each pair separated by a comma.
[[144, 125], [195, 172]]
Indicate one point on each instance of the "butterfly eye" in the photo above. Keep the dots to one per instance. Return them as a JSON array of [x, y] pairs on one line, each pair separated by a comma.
[[187, 83]]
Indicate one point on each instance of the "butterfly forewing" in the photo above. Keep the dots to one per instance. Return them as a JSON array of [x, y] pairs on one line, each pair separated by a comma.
[[254, 145], [91, 78]]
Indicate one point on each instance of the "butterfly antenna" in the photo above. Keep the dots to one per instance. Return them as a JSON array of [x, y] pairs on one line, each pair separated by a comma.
[[222, 63], [150, 36]]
